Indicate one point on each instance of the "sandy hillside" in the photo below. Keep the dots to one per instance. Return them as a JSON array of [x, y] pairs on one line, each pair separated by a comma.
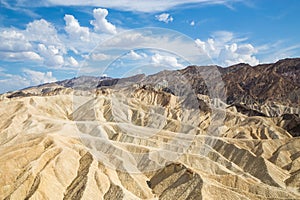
[[146, 144]]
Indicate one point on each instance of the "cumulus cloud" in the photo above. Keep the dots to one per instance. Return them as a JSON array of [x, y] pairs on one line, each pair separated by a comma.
[[38, 42], [132, 55], [71, 61], [43, 32], [164, 17], [233, 54], [99, 56], [51, 54], [165, 60], [100, 23], [37, 77], [11, 82], [201, 44], [20, 56], [45, 42], [41, 42], [74, 29], [14, 41], [15, 46], [225, 49]]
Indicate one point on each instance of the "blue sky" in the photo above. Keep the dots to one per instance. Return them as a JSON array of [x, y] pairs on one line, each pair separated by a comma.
[[45, 41]]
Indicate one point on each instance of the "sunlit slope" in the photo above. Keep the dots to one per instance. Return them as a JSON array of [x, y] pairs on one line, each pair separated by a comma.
[[146, 144]]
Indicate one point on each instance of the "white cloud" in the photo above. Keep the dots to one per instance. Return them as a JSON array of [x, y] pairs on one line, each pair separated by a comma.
[[138, 5], [192, 23], [43, 32], [74, 29], [132, 55], [208, 46], [164, 17], [45, 41], [36, 77], [165, 60], [99, 56], [223, 36], [273, 52], [52, 55], [38, 42], [12, 40], [71, 61], [20, 56], [201, 44], [11, 82], [100, 23], [225, 49], [156, 38], [246, 49], [233, 54], [127, 39], [15, 46]]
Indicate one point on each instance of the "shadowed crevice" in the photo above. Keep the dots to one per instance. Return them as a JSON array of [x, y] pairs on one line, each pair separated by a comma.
[[76, 188]]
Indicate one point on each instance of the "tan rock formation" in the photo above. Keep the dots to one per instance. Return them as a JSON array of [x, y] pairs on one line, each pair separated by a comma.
[[108, 144]]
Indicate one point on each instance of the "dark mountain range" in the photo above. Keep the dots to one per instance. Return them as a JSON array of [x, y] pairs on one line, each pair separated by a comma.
[[242, 83]]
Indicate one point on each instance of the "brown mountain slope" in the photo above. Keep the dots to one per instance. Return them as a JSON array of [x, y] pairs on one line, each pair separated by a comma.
[[272, 82], [277, 82]]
